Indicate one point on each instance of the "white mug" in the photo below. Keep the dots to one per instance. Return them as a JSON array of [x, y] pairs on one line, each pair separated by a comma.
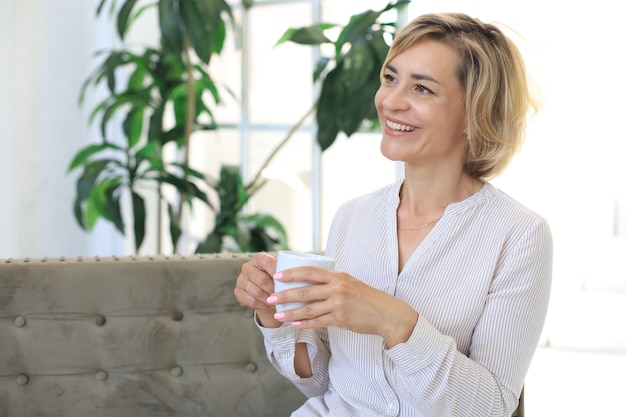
[[292, 259]]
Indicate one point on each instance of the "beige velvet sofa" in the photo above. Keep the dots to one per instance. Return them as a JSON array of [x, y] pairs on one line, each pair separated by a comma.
[[132, 337]]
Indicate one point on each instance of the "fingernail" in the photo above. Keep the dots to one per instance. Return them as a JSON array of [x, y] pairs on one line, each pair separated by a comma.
[[272, 299], [297, 323], [278, 276], [279, 316]]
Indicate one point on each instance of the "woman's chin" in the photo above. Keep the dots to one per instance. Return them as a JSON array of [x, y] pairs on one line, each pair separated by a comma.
[[393, 153]]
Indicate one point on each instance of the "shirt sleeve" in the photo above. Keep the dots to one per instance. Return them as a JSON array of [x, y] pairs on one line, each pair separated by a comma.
[[487, 382], [280, 345]]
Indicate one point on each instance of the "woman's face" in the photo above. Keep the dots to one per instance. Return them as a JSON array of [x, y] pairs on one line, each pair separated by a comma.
[[421, 107]]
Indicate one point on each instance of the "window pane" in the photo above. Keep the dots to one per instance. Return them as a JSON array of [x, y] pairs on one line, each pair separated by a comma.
[[280, 77], [287, 194]]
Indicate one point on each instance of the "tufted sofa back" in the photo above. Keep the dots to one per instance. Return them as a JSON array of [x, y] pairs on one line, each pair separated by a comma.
[[132, 337]]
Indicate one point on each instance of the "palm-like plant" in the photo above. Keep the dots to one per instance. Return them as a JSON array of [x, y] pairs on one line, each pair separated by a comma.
[[163, 99], [349, 76], [164, 94]]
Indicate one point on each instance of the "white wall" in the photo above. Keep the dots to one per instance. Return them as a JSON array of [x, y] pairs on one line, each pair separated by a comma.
[[46, 50]]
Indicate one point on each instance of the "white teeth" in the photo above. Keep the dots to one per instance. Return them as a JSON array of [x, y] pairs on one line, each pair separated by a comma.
[[401, 128]]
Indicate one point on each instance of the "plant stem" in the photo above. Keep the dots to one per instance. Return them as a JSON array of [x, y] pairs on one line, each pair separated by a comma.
[[253, 185], [191, 101], [189, 124]]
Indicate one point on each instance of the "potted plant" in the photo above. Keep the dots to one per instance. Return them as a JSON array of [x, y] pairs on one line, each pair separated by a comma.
[[351, 75], [166, 82], [173, 77]]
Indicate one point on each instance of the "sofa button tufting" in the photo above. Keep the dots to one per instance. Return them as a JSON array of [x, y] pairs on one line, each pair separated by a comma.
[[178, 315], [22, 379], [101, 375], [176, 371], [19, 321], [100, 320], [251, 367]]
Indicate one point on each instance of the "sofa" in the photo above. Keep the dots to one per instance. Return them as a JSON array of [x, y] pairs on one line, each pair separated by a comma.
[[133, 337], [149, 336]]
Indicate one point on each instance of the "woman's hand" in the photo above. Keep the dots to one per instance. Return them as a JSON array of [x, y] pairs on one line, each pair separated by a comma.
[[255, 284], [343, 301]]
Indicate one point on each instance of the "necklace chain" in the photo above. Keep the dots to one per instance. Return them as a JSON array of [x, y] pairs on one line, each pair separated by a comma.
[[422, 226]]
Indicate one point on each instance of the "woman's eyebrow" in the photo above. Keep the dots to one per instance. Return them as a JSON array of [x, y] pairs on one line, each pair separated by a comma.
[[416, 77]]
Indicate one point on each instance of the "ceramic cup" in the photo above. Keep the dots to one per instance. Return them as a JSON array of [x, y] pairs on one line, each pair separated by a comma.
[[292, 259]]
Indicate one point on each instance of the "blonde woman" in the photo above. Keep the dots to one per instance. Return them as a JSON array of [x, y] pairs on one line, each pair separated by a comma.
[[442, 281]]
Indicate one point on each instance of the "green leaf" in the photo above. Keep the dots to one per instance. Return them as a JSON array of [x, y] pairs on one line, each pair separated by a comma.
[[189, 172], [170, 25], [83, 155], [357, 65], [99, 107], [380, 46], [218, 38], [356, 28], [123, 21], [155, 125], [79, 215], [151, 153], [174, 134], [83, 91], [308, 35], [211, 244], [357, 82], [231, 190], [241, 234], [266, 222], [88, 179], [178, 91], [113, 61], [175, 229], [92, 214], [213, 11], [185, 187], [180, 114], [104, 200], [108, 113], [139, 217], [135, 82], [100, 6], [321, 66], [262, 240], [198, 28], [113, 208], [327, 108], [133, 126]]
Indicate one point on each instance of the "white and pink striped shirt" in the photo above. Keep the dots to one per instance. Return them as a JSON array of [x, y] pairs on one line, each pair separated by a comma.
[[480, 282]]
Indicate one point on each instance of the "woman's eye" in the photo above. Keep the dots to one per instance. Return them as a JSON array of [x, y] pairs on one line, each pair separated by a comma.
[[423, 90], [388, 78]]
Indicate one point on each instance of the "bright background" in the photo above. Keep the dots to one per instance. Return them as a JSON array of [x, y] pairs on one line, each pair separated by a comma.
[[571, 169]]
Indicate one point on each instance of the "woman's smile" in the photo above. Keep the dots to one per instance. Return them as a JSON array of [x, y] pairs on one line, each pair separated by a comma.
[[399, 127]]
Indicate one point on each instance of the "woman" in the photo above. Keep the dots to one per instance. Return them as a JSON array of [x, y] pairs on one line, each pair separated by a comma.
[[442, 281]]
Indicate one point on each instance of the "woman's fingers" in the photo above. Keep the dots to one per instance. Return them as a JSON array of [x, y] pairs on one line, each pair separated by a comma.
[[348, 303], [254, 283]]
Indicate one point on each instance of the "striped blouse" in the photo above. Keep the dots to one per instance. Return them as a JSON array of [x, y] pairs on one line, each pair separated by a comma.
[[480, 282]]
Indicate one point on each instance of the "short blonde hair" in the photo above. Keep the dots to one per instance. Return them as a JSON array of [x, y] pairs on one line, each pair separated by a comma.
[[493, 76]]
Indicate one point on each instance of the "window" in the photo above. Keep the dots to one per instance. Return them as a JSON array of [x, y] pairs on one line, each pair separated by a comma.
[[276, 88]]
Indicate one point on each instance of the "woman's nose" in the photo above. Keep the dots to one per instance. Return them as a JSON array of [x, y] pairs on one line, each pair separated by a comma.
[[395, 99]]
